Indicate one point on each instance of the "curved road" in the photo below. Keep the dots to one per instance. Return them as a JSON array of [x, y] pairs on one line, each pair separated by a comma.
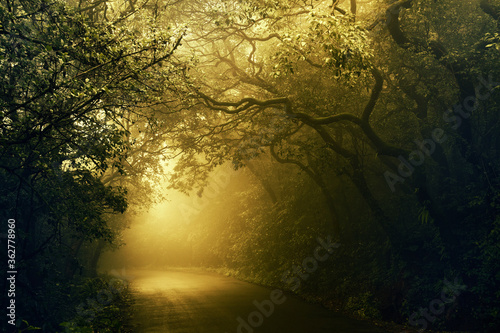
[[199, 302]]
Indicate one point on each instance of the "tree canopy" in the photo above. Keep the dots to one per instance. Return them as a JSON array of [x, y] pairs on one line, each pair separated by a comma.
[[375, 120]]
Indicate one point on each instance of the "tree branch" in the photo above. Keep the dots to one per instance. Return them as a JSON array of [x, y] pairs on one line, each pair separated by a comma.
[[492, 10], [319, 181], [392, 21]]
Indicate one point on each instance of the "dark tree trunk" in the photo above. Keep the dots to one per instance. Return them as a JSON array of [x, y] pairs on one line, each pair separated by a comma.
[[71, 261], [318, 180], [95, 257], [264, 182]]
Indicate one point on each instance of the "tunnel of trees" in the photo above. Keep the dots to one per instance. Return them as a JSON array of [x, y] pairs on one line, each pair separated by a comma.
[[374, 123]]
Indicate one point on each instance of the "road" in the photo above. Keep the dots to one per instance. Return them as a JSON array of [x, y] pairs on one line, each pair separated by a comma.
[[176, 301]]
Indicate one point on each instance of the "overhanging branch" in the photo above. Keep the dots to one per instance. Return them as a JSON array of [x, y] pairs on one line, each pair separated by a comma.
[[488, 8], [392, 21], [317, 123]]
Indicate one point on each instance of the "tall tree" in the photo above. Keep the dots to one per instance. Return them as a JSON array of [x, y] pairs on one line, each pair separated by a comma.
[[68, 84]]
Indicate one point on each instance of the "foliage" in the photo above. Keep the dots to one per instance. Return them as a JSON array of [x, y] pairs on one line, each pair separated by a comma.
[[340, 101], [111, 307], [69, 83], [362, 306], [326, 103]]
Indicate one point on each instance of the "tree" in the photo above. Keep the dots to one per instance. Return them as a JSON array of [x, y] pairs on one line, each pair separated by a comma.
[[68, 85], [351, 100]]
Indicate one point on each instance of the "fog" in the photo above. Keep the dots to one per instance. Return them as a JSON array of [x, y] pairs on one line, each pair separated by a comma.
[[167, 233], [345, 153]]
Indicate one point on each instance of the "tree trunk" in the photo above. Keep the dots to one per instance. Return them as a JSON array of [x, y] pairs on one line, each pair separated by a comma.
[[353, 7], [95, 257], [316, 177], [71, 261], [265, 184]]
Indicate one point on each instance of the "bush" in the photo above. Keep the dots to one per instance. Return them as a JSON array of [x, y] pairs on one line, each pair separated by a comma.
[[103, 305], [363, 306]]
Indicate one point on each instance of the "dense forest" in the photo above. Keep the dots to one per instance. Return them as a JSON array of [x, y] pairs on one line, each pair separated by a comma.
[[372, 125]]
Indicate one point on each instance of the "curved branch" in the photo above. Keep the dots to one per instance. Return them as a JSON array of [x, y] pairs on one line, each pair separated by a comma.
[[337, 8], [240, 106], [392, 21], [316, 123], [244, 77], [393, 24], [259, 39], [364, 122], [492, 10], [377, 89]]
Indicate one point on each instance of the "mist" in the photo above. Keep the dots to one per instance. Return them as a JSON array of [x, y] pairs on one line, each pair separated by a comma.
[[250, 166]]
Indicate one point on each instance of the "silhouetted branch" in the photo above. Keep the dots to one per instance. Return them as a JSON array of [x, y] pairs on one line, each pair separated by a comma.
[[488, 8]]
